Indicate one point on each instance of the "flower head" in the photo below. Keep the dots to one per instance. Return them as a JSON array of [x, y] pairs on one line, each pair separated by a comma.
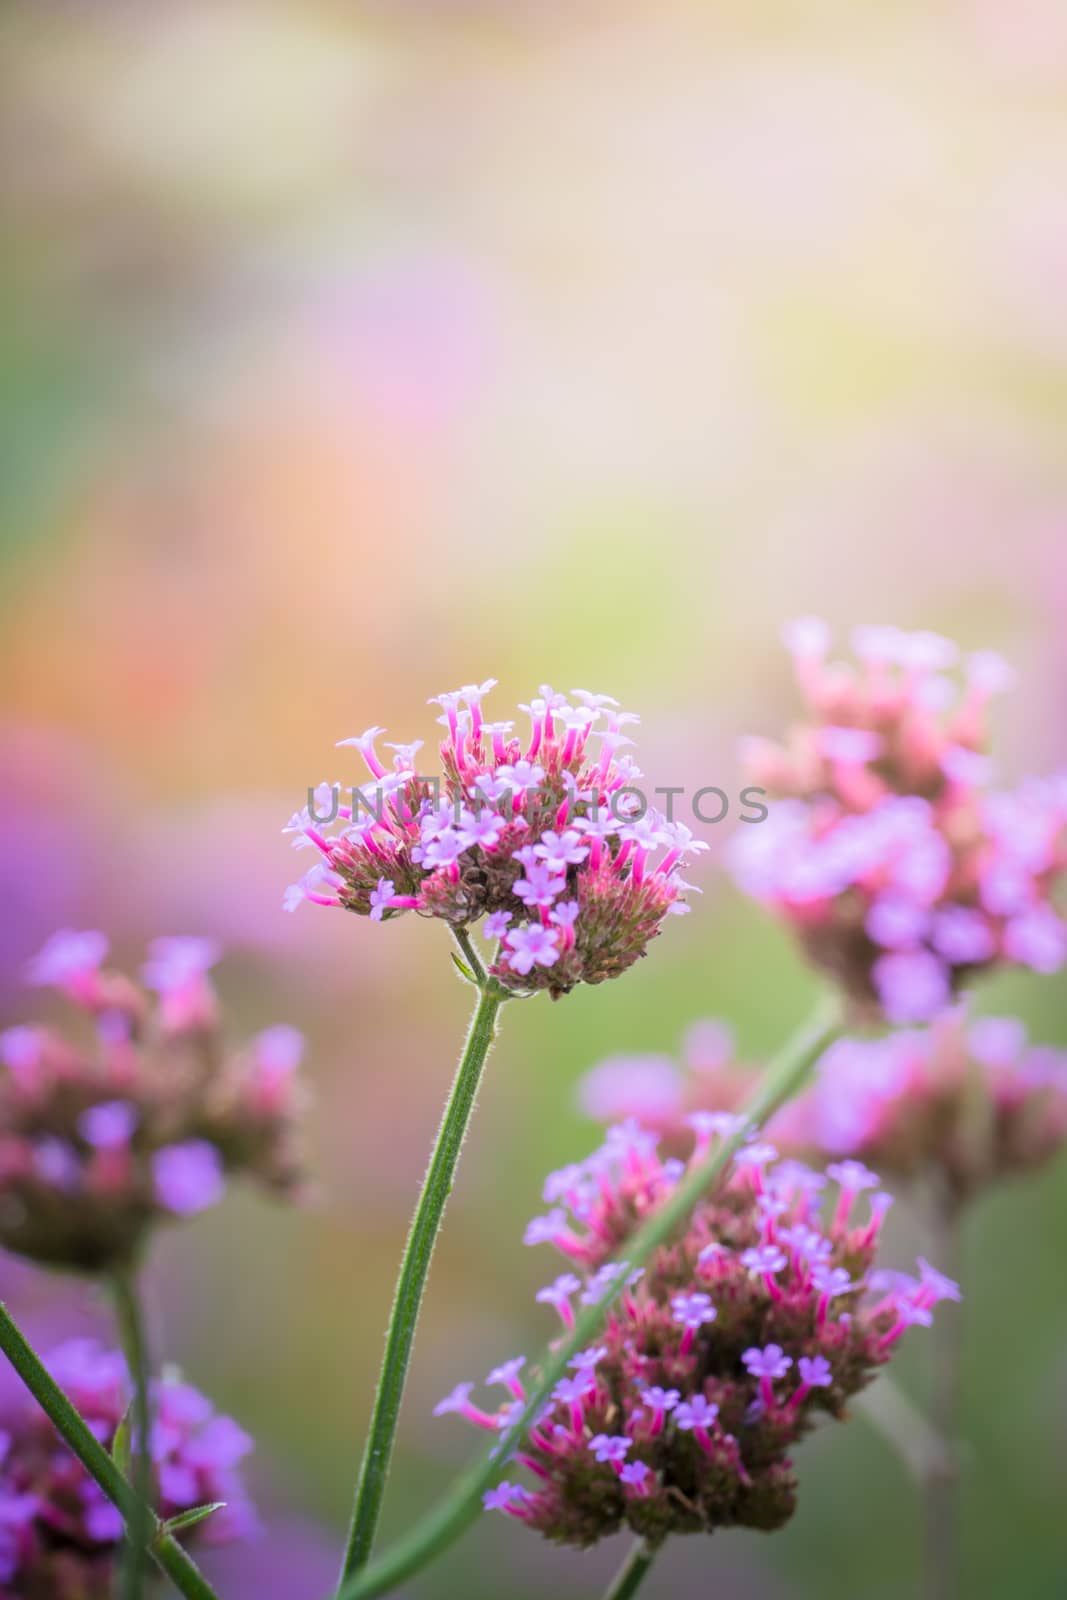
[[698, 1093], [59, 1535], [900, 870], [972, 1099], [685, 1415], [532, 834], [147, 1121]]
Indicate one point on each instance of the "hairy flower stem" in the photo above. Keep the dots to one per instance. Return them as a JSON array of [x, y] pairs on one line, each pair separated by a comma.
[[632, 1573], [415, 1264], [941, 1555], [458, 1509], [130, 1321], [163, 1548]]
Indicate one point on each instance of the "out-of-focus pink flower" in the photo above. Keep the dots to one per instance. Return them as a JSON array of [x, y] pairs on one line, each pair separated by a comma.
[[901, 871], [145, 1122], [971, 1100], [59, 1534]]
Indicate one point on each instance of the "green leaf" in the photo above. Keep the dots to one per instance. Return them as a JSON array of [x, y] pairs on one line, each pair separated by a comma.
[[463, 969], [189, 1519], [122, 1444]]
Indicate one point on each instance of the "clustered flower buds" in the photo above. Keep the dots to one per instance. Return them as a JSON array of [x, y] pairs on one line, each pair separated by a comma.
[[901, 870], [142, 1115], [971, 1100], [974, 1101], [545, 838], [718, 1358], [59, 1534]]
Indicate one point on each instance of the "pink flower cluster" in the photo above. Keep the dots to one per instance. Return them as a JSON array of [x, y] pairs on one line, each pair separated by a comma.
[[659, 1091], [544, 837], [973, 1100], [716, 1359], [59, 1535], [142, 1114], [899, 866]]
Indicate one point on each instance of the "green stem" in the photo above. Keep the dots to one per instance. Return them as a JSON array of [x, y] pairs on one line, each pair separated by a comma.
[[415, 1265], [132, 1338], [941, 1530], [632, 1573], [165, 1550], [459, 1508], [891, 1412]]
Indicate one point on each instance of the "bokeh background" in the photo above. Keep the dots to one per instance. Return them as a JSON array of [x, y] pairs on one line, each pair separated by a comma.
[[349, 353]]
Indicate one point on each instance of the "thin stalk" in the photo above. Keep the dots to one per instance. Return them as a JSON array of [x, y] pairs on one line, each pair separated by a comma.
[[163, 1548], [893, 1414], [941, 1552], [632, 1573], [130, 1320], [415, 1266], [460, 1507]]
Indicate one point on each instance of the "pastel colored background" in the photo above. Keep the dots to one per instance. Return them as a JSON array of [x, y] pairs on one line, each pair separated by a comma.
[[351, 353]]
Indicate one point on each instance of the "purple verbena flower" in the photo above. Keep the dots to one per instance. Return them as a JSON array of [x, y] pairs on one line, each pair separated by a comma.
[[616, 1435], [508, 1375], [531, 945], [58, 1533], [136, 1119], [610, 1447], [534, 835], [108, 1125], [815, 1372], [559, 1294], [885, 830], [508, 1497], [380, 898], [634, 1474], [70, 961], [188, 1177], [770, 1362], [697, 1412]]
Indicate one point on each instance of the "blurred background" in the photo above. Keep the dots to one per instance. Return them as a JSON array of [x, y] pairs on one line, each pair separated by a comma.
[[350, 353]]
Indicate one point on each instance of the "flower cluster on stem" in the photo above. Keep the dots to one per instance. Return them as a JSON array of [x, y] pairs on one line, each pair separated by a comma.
[[542, 838], [901, 867], [59, 1535], [764, 1313], [141, 1113], [968, 1100]]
